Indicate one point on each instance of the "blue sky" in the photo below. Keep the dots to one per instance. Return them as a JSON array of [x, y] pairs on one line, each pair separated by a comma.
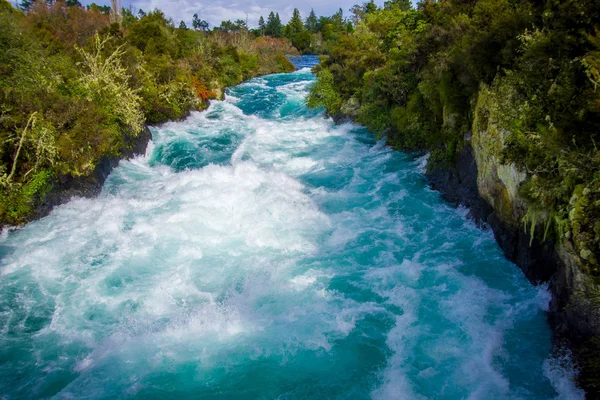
[[216, 11]]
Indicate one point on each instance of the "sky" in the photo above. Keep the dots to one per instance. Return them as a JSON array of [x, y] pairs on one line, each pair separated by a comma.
[[215, 11]]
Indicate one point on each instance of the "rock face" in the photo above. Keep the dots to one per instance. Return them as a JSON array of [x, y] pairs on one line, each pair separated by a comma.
[[489, 187], [67, 187], [572, 318]]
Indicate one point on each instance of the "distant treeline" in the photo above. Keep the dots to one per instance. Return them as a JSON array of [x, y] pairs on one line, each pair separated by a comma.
[[310, 36]]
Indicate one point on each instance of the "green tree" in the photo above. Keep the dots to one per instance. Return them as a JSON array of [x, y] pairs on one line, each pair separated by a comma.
[[128, 17], [324, 93], [261, 25], [199, 24], [103, 9], [338, 20], [312, 22], [404, 5], [229, 26], [360, 10], [302, 41], [274, 26], [240, 25], [182, 25], [294, 26], [154, 35]]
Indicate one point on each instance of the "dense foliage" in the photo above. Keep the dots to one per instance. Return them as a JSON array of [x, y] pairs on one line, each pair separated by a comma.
[[424, 77], [517, 79], [75, 89]]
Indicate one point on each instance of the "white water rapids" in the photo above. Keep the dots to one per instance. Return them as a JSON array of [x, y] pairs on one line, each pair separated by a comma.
[[258, 251]]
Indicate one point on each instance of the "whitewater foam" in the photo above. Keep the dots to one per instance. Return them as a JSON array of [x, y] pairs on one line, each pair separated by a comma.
[[260, 251]]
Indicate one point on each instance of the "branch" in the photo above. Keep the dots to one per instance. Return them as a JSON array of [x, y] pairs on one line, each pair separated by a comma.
[[14, 166]]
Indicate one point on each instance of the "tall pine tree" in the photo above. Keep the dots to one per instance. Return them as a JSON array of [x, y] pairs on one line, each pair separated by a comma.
[[312, 22], [274, 27], [338, 20], [295, 26]]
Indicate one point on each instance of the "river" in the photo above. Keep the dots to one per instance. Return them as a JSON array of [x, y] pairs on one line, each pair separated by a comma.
[[259, 251]]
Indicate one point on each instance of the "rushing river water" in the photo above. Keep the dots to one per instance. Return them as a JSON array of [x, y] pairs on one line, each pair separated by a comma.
[[258, 251]]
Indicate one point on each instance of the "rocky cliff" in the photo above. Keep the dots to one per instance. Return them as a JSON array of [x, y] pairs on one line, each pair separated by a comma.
[[482, 179]]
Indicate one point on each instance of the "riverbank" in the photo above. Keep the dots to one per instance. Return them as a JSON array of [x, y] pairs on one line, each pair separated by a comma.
[[573, 317], [77, 93], [574, 321], [492, 91], [64, 187], [260, 250]]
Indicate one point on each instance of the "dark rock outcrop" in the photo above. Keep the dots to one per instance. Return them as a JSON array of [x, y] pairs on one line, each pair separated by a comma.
[[457, 184], [66, 187], [573, 323]]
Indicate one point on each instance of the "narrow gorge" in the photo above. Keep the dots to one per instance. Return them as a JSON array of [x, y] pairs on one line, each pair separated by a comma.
[[259, 250]]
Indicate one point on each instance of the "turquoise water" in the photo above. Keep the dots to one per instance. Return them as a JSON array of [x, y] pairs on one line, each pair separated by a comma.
[[258, 251]]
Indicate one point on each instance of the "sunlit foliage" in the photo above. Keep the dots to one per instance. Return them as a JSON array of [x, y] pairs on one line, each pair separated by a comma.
[[418, 75], [75, 89]]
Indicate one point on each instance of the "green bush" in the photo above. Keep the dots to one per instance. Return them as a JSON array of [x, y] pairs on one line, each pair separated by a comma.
[[417, 77], [74, 89], [323, 93]]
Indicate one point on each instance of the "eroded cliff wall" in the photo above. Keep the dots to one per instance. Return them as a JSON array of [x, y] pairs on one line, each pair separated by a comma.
[[484, 180]]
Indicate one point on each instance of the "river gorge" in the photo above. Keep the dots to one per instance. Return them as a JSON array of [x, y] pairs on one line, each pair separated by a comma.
[[258, 250]]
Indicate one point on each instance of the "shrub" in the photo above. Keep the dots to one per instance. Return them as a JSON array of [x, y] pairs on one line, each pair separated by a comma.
[[75, 89]]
